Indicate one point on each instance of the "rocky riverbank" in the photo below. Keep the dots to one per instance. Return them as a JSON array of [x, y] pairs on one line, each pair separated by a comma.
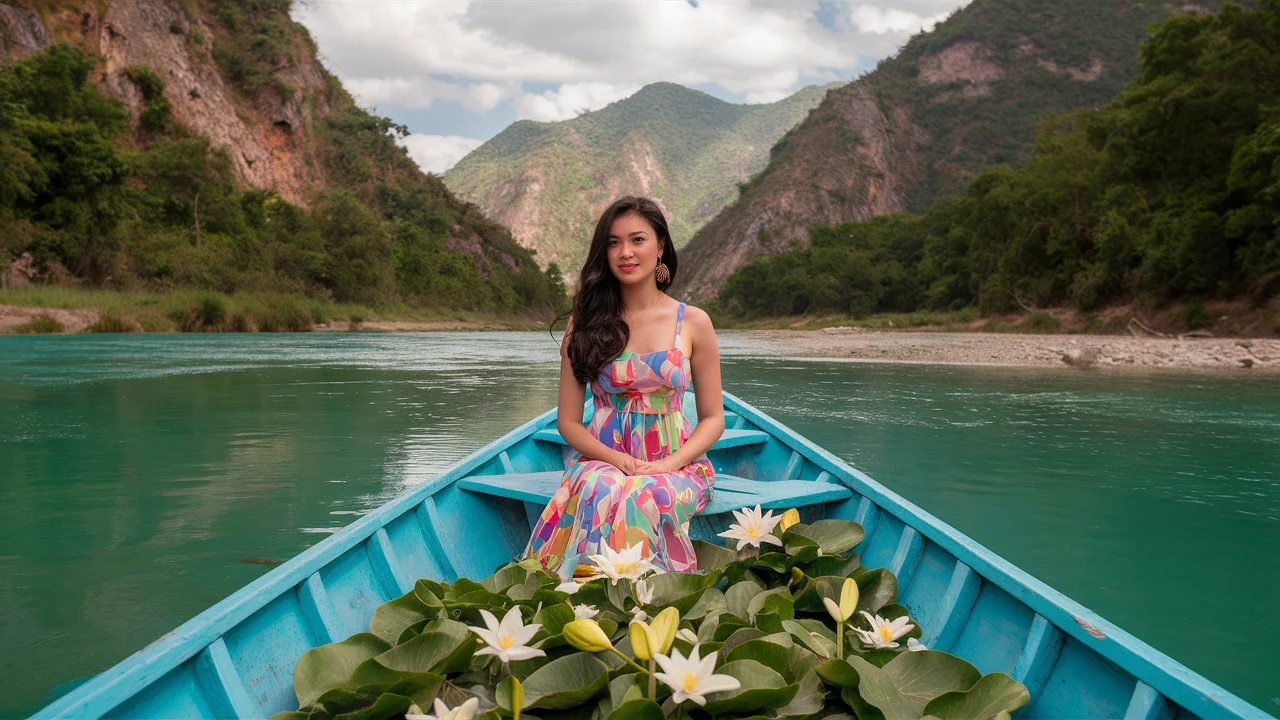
[[1015, 350]]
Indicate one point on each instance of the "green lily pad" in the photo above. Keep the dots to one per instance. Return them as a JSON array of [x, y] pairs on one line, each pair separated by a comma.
[[447, 647], [809, 598], [989, 697], [779, 594], [740, 636], [761, 689], [388, 705], [876, 588], [342, 700], [771, 655], [430, 592], [835, 565], [711, 556], [553, 618], [837, 673], [512, 574], [813, 635], [737, 599], [566, 682], [680, 590], [391, 618], [640, 709], [324, 668], [711, 603], [808, 700], [835, 537], [910, 681], [775, 561]]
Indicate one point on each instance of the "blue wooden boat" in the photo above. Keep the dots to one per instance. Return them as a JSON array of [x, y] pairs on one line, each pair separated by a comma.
[[236, 659]]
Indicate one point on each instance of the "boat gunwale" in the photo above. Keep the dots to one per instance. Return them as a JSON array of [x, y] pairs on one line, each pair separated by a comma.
[[101, 694]]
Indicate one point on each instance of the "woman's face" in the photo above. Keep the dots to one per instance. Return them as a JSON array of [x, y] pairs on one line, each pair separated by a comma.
[[634, 249]]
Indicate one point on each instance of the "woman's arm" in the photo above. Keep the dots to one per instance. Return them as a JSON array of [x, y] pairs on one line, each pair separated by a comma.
[[569, 416], [705, 358]]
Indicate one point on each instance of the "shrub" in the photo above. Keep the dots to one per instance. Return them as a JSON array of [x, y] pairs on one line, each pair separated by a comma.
[[1040, 322], [110, 322], [1195, 316], [212, 311], [42, 324]]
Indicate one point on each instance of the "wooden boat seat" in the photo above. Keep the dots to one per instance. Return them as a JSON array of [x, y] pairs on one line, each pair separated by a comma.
[[729, 439], [731, 492]]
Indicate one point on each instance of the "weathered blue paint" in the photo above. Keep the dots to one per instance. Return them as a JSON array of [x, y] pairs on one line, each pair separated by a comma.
[[236, 659]]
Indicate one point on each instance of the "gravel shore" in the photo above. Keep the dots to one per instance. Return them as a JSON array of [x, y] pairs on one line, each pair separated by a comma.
[[1014, 350]]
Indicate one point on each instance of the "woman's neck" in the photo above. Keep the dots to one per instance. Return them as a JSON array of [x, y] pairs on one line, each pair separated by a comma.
[[640, 297]]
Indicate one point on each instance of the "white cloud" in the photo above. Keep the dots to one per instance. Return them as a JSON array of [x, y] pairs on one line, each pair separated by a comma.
[[437, 153], [570, 100], [764, 97], [878, 19], [481, 54]]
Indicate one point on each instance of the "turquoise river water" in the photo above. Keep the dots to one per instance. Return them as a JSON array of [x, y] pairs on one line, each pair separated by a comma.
[[145, 477]]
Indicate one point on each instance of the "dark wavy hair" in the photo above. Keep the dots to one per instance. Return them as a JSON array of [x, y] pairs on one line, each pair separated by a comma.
[[599, 332]]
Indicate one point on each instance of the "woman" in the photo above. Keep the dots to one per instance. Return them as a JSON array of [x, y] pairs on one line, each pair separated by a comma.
[[638, 475]]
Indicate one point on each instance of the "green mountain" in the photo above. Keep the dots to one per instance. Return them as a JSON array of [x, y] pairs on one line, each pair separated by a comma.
[[549, 182], [156, 144], [952, 103]]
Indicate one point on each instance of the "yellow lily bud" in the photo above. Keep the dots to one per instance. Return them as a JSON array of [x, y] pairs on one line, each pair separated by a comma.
[[664, 630], [848, 598], [796, 575], [517, 696], [848, 602], [643, 641], [586, 635], [789, 518]]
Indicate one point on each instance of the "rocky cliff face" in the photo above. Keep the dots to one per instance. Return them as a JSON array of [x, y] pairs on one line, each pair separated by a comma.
[[954, 102], [266, 136]]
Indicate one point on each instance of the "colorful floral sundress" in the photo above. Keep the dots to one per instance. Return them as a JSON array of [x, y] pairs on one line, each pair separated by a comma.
[[638, 410]]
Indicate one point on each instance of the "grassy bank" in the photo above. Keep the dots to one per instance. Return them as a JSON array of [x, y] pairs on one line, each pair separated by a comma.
[[70, 309]]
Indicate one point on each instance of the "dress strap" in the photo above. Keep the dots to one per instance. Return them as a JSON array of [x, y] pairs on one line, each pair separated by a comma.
[[679, 324]]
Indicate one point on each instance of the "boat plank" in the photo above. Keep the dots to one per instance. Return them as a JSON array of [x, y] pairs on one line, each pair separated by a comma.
[[386, 566], [221, 683], [866, 516], [729, 439], [1039, 655], [906, 557], [957, 603], [427, 521], [317, 609], [1147, 704]]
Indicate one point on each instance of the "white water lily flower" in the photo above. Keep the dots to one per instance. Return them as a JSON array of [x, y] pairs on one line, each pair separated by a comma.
[[644, 593], [570, 587], [752, 528], [584, 612], [628, 564], [507, 639], [688, 636], [465, 711], [693, 678], [883, 632], [915, 645]]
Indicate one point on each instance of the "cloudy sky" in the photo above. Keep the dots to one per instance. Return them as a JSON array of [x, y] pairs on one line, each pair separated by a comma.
[[456, 72]]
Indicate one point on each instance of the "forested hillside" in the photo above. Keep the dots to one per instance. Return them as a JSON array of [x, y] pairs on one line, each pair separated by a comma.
[[1169, 192], [548, 182], [956, 101], [152, 145]]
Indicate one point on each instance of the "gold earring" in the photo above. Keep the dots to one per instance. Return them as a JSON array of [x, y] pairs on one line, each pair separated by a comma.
[[662, 274]]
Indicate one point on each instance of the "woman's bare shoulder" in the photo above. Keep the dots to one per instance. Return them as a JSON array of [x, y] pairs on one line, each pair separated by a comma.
[[697, 317]]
